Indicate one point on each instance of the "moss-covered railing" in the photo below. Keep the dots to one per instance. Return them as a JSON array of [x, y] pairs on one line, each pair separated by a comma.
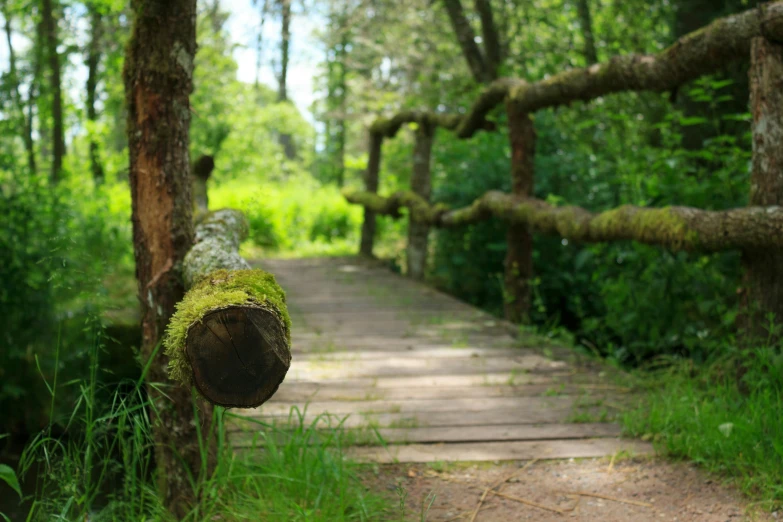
[[231, 334], [756, 230]]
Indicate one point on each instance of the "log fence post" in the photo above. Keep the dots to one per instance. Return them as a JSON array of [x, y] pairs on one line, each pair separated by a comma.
[[421, 184], [518, 264]]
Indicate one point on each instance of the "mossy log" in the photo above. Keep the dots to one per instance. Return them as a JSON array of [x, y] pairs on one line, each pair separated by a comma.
[[701, 52], [231, 334], [675, 228]]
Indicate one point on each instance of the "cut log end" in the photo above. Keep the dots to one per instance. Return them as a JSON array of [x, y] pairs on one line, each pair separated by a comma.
[[239, 355]]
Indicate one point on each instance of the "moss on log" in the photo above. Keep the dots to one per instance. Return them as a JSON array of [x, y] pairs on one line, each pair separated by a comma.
[[675, 228], [701, 52], [231, 334]]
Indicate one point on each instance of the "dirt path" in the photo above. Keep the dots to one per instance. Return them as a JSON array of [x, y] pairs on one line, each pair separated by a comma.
[[442, 382]]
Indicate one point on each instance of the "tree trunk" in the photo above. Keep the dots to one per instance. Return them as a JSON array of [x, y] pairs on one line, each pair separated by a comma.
[[286, 140], [762, 292], [519, 240], [158, 81], [342, 86], [259, 44], [371, 186], [93, 62], [27, 134], [421, 184], [493, 49], [467, 41], [586, 21], [202, 171], [58, 135]]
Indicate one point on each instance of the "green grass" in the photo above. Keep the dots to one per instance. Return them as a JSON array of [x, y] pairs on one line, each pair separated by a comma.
[[103, 470], [700, 414]]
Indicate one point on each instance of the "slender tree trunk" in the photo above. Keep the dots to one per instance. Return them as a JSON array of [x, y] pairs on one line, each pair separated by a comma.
[[371, 185], [342, 85], [158, 82], [762, 292], [519, 256], [93, 62], [260, 44], [467, 40], [421, 184], [286, 140], [493, 48], [586, 21], [49, 20]]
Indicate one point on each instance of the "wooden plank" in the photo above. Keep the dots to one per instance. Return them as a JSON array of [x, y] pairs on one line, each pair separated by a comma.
[[430, 381], [419, 351], [465, 405], [511, 432], [308, 391], [492, 451], [425, 419]]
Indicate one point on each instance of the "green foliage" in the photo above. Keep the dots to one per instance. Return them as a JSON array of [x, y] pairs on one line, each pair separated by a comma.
[[729, 426], [55, 250], [300, 216], [104, 471]]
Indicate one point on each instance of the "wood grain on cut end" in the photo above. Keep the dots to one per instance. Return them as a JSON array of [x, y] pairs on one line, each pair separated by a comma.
[[239, 355]]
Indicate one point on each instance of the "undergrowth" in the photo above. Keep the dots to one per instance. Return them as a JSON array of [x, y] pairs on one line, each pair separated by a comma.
[[100, 467], [728, 424]]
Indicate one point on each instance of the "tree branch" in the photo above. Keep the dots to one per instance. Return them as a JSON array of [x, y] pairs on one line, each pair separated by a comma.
[[493, 50], [674, 228], [467, 41]]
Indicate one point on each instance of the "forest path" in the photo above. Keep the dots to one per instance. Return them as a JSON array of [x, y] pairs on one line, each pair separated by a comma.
[[438, 379]]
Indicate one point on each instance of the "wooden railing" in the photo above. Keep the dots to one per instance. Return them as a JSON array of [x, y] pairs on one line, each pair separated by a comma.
[[757, 230]]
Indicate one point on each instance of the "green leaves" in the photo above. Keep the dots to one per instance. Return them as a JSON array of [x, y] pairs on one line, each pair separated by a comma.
[[8, 476]]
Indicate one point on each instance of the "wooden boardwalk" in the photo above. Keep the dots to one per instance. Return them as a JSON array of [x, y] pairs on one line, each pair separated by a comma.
[[437, 379]]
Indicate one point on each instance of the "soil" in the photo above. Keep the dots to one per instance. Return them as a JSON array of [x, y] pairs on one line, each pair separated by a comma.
[[636, 490]]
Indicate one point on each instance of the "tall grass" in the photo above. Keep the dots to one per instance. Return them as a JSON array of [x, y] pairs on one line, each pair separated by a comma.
[[100, 467], [727, 425]]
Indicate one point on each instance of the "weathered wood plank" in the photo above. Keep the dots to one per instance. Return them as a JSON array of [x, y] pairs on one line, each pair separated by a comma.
[[509, 432], [491, 451]]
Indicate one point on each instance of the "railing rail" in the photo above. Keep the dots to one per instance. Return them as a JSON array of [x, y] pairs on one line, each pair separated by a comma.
[[757, 33]]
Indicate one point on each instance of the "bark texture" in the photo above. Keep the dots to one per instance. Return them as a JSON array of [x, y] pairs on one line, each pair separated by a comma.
[[519, 240], [421, 185], [763, 280], [371, 186], [158, 82], [674, 228], [49, 20], [231, 335]]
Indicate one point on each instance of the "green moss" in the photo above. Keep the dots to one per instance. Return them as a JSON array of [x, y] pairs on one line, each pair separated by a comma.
[[220, 289]]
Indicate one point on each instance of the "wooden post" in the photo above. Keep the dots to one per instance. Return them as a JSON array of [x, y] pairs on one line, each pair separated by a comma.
[[371, 185], [519, 255], [421, 184], [202, 170], [762, 291]]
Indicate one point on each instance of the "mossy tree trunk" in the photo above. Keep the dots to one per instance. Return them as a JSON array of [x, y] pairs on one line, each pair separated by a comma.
[[762, 292], [371, 185], [421, 184], [158, 82], [519, 239]]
